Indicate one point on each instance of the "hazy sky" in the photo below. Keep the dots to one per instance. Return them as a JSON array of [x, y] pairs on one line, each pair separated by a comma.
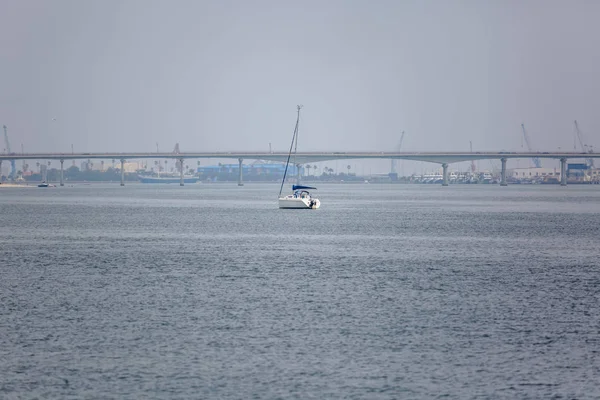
[[227, 75]]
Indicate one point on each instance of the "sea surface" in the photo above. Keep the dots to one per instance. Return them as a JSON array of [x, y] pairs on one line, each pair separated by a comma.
[[209, 291]]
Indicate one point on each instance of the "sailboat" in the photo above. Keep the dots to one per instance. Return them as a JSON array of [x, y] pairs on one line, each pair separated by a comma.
[[300, 198]]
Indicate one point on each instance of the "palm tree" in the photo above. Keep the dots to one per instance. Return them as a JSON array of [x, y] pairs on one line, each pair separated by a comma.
[[102, 165], [315, 169], [37, 164], [308, 167]]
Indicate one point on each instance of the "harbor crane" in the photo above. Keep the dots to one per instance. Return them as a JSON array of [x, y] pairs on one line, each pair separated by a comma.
[[398, 148], [13, 165], [584, 147], [536, 161]]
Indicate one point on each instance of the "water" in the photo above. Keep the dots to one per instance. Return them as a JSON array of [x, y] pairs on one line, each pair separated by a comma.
[[387, 291]]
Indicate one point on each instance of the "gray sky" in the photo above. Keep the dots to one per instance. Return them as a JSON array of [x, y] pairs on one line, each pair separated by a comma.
[[227, 75]]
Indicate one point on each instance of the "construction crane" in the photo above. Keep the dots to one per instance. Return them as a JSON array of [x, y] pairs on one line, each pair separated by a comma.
[[589, 161], [13, 165], [398, 149], [536, 160]]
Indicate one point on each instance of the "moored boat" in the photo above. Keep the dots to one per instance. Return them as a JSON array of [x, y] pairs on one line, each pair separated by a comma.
[[45, 185], [300, 198]]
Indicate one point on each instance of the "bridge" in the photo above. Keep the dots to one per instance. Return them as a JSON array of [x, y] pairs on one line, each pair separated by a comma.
[[443, 158]]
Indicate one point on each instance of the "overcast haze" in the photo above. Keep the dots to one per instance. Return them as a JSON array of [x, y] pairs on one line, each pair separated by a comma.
[[227, 75]]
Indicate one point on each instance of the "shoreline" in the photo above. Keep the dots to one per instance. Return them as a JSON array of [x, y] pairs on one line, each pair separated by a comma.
[[16, 185]]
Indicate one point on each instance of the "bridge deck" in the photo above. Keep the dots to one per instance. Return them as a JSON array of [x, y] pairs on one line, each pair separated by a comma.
[[302, 157]]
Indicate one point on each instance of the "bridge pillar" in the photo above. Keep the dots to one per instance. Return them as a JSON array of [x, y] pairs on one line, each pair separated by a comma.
[[62, 179], [563, 172], [181, 172], [503, 173], [240, 181], [122, 172], [445, 168]]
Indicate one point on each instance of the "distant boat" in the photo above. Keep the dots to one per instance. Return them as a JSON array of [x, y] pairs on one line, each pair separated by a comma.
[[167, 179], [301, 198], [45, 185]]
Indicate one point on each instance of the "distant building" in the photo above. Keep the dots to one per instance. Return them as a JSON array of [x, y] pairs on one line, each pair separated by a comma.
[[583, 172], [575, 172], [248, 169], [131, 166]]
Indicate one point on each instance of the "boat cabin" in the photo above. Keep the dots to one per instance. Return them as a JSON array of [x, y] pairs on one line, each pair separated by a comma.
[[301, 194]]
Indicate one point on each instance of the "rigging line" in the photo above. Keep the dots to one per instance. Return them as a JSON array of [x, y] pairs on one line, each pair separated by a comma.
[[290, 153], [296, 146]]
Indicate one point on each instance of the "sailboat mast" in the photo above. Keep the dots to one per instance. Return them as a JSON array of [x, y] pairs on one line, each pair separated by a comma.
[[294, 140], [296, 145]]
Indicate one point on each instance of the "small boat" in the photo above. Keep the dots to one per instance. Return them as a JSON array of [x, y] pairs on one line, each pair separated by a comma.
[[300, 198], [45, 185]]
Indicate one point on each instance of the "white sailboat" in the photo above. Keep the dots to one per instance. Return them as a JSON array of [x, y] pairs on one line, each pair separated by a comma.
[[300, 198]]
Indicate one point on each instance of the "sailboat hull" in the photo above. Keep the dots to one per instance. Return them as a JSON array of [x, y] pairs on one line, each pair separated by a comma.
[[292, 202]]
